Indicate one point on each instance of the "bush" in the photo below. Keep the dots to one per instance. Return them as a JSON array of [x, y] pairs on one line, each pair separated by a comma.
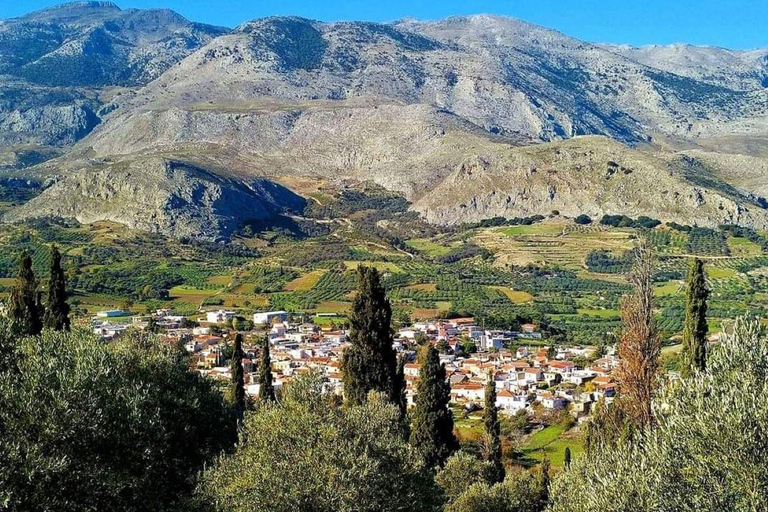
[[583, 219], [94, 426]]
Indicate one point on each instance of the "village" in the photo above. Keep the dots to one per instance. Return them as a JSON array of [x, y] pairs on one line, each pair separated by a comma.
[[528, 374]]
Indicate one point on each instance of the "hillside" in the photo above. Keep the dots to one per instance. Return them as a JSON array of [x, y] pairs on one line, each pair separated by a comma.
[[468, 118]]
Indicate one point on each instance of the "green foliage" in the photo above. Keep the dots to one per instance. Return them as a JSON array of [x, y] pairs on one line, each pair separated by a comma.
[[57, 309], [369, 363], [694, 354], [622, 221], [521, 491], [492, 431], [707, 242], [94, 426], [237, 385], [266, 389], [306, 454], [707, 451], [432, 427], [583, 219], [26, 311], [461, 471]]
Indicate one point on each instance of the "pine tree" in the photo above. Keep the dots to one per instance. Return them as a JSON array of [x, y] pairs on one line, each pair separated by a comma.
[[694, 354], [493, 431], [57, 309], [238, 377], [266, 389], [26, 311], [432, 430], [369, 364], [567, 458]]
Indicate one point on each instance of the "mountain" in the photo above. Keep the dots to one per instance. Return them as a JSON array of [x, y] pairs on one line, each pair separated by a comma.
[[469, 118], [55, 63]]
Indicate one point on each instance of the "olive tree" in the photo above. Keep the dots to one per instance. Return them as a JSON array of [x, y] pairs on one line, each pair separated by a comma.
[[707, 451], [307, 453], [86, 425]]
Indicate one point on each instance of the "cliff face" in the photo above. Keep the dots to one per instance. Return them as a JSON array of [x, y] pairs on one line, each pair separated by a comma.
[[160, 196]]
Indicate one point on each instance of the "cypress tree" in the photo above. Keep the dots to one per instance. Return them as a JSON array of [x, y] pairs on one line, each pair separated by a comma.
[[57, 309], [402, 401], [238, 377], [694, 353], [432, 430], [493, 431], [369, 363], [26, 311], [567, 458], [266, 389]]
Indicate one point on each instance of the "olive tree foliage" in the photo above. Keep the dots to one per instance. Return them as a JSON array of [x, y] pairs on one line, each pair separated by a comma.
[[521, 491], [86, 425], [707, 452], [306, 453]]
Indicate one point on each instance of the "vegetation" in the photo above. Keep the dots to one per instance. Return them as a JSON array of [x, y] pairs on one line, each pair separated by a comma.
[[94, 426], [698, 456], [237, 375], [266, 388], [432, 425], [492, 439], [26, 310], [694, 354], [304, 453], [56, 307], [369, 363]]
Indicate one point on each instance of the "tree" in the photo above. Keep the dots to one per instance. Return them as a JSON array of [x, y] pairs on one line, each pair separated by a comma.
[[305, 454], [26, 309], [432, 429], [237, 385], [57, 309], [640, 346], [88, 425], [694, 353], [519, 492], [567, 458], [369, 364], [707, 450], [266, 388], [402, 400], [492, 431], [461, 471]]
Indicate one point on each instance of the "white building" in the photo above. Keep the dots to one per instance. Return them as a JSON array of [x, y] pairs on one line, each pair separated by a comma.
[[219, 317], [269, 316]]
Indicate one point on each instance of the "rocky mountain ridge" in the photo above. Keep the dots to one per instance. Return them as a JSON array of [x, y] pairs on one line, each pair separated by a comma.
[[469, 118]]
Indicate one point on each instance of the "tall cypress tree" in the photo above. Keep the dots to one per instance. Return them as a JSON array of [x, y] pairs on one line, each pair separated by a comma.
[[432, 430], [26, 311], [57, 309], [694, 354], [369, 363], [567, 458], [493, 431], [238, 377], [402, 401], [266, 389]]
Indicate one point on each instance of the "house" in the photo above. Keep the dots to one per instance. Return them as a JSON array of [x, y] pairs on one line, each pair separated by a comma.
[[412, 369], [469, 391], [509, 402], [219, 317], [550, 401], [534, 375], [269, 317]]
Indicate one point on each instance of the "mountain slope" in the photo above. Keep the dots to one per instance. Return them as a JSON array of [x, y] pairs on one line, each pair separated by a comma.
[[467, 117]]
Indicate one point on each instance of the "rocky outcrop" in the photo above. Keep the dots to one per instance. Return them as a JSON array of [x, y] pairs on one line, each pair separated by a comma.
[[160, 196]]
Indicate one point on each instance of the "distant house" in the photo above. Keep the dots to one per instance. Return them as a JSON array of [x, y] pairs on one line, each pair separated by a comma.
[[269, 317], [219, 317], [510, 402], [112, 313]]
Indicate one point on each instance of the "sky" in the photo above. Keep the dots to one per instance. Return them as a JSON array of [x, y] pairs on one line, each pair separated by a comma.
[[735, 24]]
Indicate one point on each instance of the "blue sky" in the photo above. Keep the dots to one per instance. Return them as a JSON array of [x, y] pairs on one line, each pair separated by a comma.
[[737, 24]]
